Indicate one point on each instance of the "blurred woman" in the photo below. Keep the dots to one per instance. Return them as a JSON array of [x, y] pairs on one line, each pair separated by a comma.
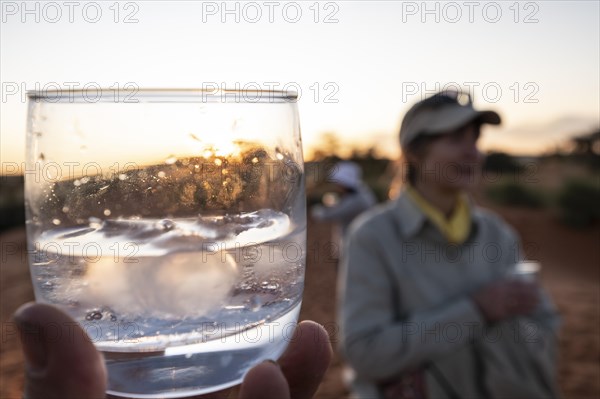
[[428, 307]]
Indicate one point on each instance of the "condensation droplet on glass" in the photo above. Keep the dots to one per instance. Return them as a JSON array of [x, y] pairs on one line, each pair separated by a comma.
[[279, 156], [254, 160], [122, 176], [255, 303], [218, 162], [161, 174], [93, 315], [56, 222], [207, 154], [65, 209], [47, 285], [107, 212], [41, 157], [171, 160], [166, 225], [85, 180], [224, 171]]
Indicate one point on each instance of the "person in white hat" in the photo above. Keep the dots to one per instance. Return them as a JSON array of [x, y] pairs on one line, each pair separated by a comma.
[[352, 198], [427, 304]]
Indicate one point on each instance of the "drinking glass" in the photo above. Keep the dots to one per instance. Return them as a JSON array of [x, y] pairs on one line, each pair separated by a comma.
[[171, 225], [526, 270]]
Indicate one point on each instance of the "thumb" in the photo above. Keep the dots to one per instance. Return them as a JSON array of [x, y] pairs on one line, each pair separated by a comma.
[[60, 360]]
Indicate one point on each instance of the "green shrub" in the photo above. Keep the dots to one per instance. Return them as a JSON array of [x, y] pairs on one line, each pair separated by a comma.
[[502, 163], [579, 203], [514, 194]]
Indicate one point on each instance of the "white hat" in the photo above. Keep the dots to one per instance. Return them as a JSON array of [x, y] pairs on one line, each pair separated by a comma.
[[347, 174], [442, 113]]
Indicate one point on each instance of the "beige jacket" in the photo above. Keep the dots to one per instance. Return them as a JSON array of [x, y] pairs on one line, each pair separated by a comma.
[[405, 303]]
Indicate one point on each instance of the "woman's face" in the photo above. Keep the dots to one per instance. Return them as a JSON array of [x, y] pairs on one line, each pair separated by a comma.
[[450, 161]]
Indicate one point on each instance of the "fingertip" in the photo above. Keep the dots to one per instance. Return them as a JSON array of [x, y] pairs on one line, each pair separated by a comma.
[[316, 337], [25, 312], [265, 380], [42, 315], [62, 361], [307, 358]]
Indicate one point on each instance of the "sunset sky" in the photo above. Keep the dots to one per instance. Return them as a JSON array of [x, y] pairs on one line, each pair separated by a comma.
[[358, 65]]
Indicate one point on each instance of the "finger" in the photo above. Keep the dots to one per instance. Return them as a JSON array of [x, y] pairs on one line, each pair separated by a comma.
[[527, 296], [525, 306], [61, 361], [525, 286], [529, 299], [306, 359], [224, 394], [530, 303], [265, 381]]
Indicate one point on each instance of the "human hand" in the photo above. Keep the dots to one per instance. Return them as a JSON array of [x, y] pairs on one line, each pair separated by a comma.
[[506, 298], [73, 368]]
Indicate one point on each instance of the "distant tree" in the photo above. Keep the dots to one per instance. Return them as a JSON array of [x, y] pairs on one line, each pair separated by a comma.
[[587, 144], [586, 149], [364, 154], [328, 147]]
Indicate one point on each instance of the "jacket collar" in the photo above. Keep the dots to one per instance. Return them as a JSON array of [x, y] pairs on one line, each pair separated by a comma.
[[411, 218]]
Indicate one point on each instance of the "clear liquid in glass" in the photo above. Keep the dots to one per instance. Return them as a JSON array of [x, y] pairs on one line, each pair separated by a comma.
[[178, 306]]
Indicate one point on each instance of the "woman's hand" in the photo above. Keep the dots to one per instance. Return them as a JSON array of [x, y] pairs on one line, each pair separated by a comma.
[[506, 298], [71, 367]]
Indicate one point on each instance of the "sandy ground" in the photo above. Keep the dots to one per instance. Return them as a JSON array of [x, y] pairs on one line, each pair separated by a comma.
[[571, 273]]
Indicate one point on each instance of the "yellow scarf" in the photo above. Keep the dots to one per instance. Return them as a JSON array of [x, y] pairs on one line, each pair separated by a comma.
[[456, 228]]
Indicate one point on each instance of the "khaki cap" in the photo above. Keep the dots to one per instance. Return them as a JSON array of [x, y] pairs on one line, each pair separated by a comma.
[[442, 113]]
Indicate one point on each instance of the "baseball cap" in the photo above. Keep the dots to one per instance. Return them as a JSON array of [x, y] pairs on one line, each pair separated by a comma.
[[442, 113]]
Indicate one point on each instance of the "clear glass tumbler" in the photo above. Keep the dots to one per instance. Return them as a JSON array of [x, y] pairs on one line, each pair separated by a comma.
[[171, 224]]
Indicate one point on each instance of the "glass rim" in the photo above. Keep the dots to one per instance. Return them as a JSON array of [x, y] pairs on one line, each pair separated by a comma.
[[135, 95]]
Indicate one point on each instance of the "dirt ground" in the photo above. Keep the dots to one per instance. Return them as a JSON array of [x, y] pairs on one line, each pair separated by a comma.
[[571, 273]]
